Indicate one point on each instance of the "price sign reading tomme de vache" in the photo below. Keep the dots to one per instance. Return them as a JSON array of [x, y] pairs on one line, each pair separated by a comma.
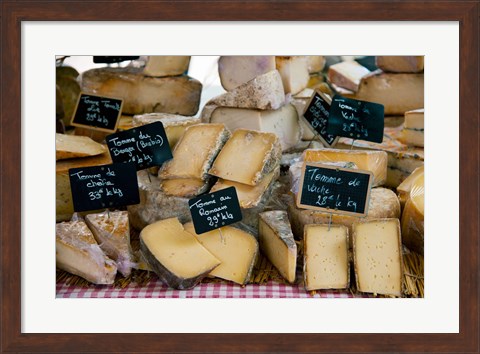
[[214, 210], [97, 112], [317, 114], [106, 186], [146, 146], [334, 190], [356, 119]]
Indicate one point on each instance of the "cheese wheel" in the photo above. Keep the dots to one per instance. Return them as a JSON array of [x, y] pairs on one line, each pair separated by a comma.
[[413, 217]]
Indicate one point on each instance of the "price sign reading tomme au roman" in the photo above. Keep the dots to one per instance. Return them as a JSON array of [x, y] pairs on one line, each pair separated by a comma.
[[317, 114], [356, 119], [334, 190], [214, 210], [107, 186], [97, 112], [146, 146]]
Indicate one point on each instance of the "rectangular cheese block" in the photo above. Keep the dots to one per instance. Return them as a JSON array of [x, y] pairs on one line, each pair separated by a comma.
[[144, 94], [236, 249], [70, 146], [325, 256], [413, 128], [347, 74], [294, 72], [175, 255], [413, 216], [315, 63], [247, 157], [78, 253], [283, 122], [184, 187], [404, 188], [237, 70], [166, 65], [374, 161], [112, 232], [194, 153], [377, 254], [277, 242], [400, 64], [173, 124]]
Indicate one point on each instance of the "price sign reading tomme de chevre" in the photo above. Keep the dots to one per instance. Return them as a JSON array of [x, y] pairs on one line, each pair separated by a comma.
[[112, 59], [356, 119], [317, 114], [146, 146], [97, 112], [334, 190], [106, 186], [214, 210]]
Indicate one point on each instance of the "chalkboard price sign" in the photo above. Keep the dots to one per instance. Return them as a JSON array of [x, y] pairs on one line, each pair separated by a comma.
[[334, 190], [146, 146], [112, 59], [317, 115], [106, 186], [214, 210], [97, 112], [356, 119]]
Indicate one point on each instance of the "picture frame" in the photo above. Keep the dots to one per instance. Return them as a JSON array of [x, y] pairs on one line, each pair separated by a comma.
[[13, 13]]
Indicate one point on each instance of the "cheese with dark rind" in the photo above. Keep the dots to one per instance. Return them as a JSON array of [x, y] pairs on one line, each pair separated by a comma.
[[400, 64], [70, 90]]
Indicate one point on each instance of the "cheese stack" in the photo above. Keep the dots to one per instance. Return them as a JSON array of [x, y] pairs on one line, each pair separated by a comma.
[[255, 97], [316, 64], [413, 128]]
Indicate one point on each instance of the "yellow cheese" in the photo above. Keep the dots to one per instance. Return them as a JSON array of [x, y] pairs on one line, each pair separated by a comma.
[[166, 65], [277, 243], [374, 161], [125, 122], [413, 216], [315, 63], [112, 232], [247, 157], [69, 146], [237, 251], [404, 188], [237, 70], [347, 74], [325, 262], [294, 72], [184, 187], [377, 254], [413, 128], [400, 64], [195, 152], [78, 253], [175, 255]]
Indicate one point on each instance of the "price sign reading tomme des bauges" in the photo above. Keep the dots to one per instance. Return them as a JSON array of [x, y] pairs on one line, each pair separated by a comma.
[[317, 115], [97, 112]]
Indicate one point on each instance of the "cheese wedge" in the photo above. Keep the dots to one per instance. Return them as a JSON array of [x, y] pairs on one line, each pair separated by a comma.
[[70, 90], [144, 94], [78, 253], [247, 157], [400, 64], [404, 188], [175, 255], [184, 187], [237, 70], [277, 243], [194, 153], [112, 232], [237, 251], [377, 254], [413, 128], [68, 146], [294, 72], [413, 216], [374, 161], [347, 74], [166, 65], [325, 264], [315, 63]]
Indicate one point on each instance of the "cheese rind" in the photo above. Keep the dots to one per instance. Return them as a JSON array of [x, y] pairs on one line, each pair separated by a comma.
[[236, 249], [413, 216], [400, 64], [413, 128], [377, 254], [175, 255], [247, 157], [184, 187], [347, 74], [166, 65], [326, 264], [78, 253], [237, 70], [294, 72], [404, 188], [315, 63], [277, 243], [69, 146]]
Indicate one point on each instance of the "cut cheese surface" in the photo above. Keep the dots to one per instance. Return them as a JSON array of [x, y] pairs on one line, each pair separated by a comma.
[[237, 70], [69, 146], [184, 187], [405, 187], [78, 253], [378, 257], [294, 72], [175, 255], [237, 251], [400, 64], [347, 74], [326, 263], [195, 152], [247, 157], [277, 242], [413, 216], [166, 65]]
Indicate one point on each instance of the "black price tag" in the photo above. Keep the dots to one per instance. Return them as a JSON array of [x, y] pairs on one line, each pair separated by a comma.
[[214, 210], [112, 59], [317, 114], [334, 190], [356, 119], [106, 186], [146, 146], [97, 112]]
